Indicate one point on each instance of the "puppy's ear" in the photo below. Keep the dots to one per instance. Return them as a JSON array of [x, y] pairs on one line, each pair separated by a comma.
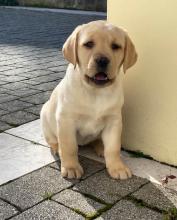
[[130, 55], [70, 47]]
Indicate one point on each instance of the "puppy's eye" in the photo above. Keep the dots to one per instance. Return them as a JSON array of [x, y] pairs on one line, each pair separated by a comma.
[[89, 44], [115, 46]]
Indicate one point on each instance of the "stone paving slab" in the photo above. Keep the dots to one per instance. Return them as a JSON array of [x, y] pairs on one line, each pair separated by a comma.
[[15, 105], [30, 131], [7, 210], [49, 210], [6, 98], [39, 98], [152, 195], [23, 92], [48, 86], [18, 157], [126, 210], [34, 110], [4, 126], [107, 189], [3, 112], [78, 202], [34, 187], [18, 118]]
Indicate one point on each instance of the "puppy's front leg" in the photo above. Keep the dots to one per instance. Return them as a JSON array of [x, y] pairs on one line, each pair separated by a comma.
[[68, 150], [112, 144]]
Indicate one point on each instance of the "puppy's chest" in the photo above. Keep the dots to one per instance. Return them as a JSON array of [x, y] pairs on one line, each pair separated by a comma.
[[89, 129]]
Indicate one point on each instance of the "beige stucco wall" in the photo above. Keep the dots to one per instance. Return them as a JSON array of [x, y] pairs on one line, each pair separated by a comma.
[[150, 111]]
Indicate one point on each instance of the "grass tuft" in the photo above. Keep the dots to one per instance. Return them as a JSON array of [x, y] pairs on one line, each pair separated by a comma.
[[48, 195]]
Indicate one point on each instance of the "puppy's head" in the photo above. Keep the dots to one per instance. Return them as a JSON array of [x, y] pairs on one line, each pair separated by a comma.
[[99, 49]]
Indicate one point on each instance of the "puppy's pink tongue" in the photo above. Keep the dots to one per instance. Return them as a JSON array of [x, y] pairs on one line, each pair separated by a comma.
[[100, 76]]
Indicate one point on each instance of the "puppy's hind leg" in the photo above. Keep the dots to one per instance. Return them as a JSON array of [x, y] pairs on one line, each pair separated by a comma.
[[48, 135], [98, 148]]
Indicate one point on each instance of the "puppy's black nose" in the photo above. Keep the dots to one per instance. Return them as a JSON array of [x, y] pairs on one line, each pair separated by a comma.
[[102, 62]]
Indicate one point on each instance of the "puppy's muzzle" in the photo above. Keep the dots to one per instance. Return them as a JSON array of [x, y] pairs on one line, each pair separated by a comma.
[[102, 63], [101, 76]]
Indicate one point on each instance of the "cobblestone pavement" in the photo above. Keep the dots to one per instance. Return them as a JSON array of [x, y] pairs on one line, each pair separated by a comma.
[[31, 65]]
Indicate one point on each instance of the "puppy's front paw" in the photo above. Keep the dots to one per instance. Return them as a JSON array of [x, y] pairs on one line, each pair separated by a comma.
[[72, 172], [119, 171]]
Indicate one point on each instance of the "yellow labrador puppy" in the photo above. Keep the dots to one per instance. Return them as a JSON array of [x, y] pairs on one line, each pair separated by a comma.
[[86, 106]]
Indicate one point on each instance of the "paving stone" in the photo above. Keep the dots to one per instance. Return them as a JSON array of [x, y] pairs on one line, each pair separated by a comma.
[[5, 68], [47, 86], [3, 82], [39, 98], [24, 92], [6, 210], [49, 210], [14, 105], [15, 86], [78, 201], [34, 109], [34, 74], [19, 117], [3, 112], [6, 97], [19, 156], [30, 131], [2, 90], [43, 79], [15, 69], [90, 166], [32, 188], [59, 68], [126, 210], [152, 195], [4, 126], [107, 189], [13, 78]]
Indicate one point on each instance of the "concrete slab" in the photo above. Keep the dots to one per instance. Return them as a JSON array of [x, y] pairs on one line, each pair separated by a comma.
[[30, 131], [6, 210], [18, 157], [78, 202], [34, 187], [154, 196], [101, 186], [127, 210], [49, 210]]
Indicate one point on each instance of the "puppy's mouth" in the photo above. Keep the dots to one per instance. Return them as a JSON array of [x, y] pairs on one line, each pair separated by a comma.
[[99, 78]]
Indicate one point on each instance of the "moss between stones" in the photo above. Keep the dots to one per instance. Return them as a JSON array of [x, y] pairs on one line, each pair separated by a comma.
[[171, 214], [141, 203], [138, 154], [48, 195], [93, 215]]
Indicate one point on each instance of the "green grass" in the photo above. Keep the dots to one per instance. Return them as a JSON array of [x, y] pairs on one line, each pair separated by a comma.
[[138, 154], [47, 195], [171, 214]]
